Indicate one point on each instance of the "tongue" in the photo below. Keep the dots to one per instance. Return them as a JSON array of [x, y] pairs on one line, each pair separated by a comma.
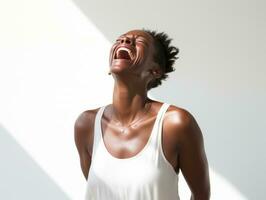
[[122, 54]]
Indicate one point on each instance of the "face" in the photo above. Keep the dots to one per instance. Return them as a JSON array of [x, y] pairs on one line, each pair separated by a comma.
[[133, 50]]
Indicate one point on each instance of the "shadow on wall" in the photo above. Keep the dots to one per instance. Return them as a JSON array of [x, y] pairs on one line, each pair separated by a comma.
[[217, 80], [23, 178]]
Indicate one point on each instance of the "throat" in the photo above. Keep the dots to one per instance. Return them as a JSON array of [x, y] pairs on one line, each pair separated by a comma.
[[129, 117]]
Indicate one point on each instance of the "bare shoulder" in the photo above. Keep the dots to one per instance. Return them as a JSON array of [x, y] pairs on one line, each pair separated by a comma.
[[85, 119], [181, 123], [83, 129], [179, 117]]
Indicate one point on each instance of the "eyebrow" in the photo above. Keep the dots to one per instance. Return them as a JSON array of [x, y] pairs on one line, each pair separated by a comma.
[[146, 41], [138, 36]]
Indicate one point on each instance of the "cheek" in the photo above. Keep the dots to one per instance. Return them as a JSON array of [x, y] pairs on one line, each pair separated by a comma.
[[142, 52], [112, 51]]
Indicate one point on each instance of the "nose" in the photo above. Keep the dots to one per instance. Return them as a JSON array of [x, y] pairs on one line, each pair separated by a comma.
[[127, 40]]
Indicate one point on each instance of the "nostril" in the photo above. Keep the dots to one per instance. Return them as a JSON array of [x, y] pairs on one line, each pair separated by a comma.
[[128, 41]]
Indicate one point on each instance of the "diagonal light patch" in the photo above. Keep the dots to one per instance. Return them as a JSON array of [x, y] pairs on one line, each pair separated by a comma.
[[19, 169], [220, 188], [54, 65]]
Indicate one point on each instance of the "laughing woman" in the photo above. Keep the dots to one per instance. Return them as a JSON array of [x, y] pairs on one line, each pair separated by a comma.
[[135, 147]]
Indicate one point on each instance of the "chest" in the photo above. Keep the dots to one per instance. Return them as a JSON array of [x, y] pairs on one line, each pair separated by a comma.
[[133, 141]]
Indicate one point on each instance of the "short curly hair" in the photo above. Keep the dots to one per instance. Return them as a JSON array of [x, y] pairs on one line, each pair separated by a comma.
[[165, 56]]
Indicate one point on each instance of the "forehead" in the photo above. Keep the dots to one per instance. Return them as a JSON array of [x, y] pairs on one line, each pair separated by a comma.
[[136, 33]]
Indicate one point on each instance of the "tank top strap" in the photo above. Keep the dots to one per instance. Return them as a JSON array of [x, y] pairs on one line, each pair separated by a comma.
[[97, 129], [157, 134]]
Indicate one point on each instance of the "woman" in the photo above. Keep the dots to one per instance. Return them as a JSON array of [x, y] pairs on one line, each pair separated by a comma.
[[134, 148]]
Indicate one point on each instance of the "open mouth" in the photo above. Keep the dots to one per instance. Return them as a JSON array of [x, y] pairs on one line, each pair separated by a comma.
[[123, 53]]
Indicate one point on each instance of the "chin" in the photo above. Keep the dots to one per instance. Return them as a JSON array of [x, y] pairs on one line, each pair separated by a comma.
[[118, 69], [121, 63]]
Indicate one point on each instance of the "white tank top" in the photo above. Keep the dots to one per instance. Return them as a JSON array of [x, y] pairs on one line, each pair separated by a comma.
[[145, 176]]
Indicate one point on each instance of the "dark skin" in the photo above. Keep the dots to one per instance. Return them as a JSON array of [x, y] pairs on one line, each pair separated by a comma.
[[182, 140]]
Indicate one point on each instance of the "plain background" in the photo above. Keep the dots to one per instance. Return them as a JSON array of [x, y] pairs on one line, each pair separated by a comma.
[[54, 53]]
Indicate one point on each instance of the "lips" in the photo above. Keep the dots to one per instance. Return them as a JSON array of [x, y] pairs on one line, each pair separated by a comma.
[[123, 53]]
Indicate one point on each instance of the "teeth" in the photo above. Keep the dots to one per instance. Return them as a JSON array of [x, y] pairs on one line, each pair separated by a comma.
[[129, 52]]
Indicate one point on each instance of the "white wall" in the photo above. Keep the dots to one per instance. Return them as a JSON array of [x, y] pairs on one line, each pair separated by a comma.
[[54, 52]]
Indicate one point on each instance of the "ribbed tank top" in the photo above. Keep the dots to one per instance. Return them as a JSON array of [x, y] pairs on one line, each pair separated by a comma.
[[145, 176]]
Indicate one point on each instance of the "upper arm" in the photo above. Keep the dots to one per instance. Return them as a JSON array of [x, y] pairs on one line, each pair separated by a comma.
[[82, 136], [192, 158]]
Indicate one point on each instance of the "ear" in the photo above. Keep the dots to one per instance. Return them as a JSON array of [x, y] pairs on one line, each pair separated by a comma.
[[156, 72]]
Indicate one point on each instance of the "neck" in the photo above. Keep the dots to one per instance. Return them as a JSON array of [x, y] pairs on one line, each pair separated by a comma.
[[128, 101]]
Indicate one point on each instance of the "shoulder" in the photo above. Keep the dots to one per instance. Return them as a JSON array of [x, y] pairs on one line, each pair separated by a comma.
[[181, 124], [83, 126], [178, 117], [85, 118]]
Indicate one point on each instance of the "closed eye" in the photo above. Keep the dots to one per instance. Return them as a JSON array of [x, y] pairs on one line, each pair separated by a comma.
[[140, 40], [143, 41]]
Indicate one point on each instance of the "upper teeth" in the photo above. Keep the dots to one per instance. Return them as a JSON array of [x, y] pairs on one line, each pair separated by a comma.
[[123, 48]]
